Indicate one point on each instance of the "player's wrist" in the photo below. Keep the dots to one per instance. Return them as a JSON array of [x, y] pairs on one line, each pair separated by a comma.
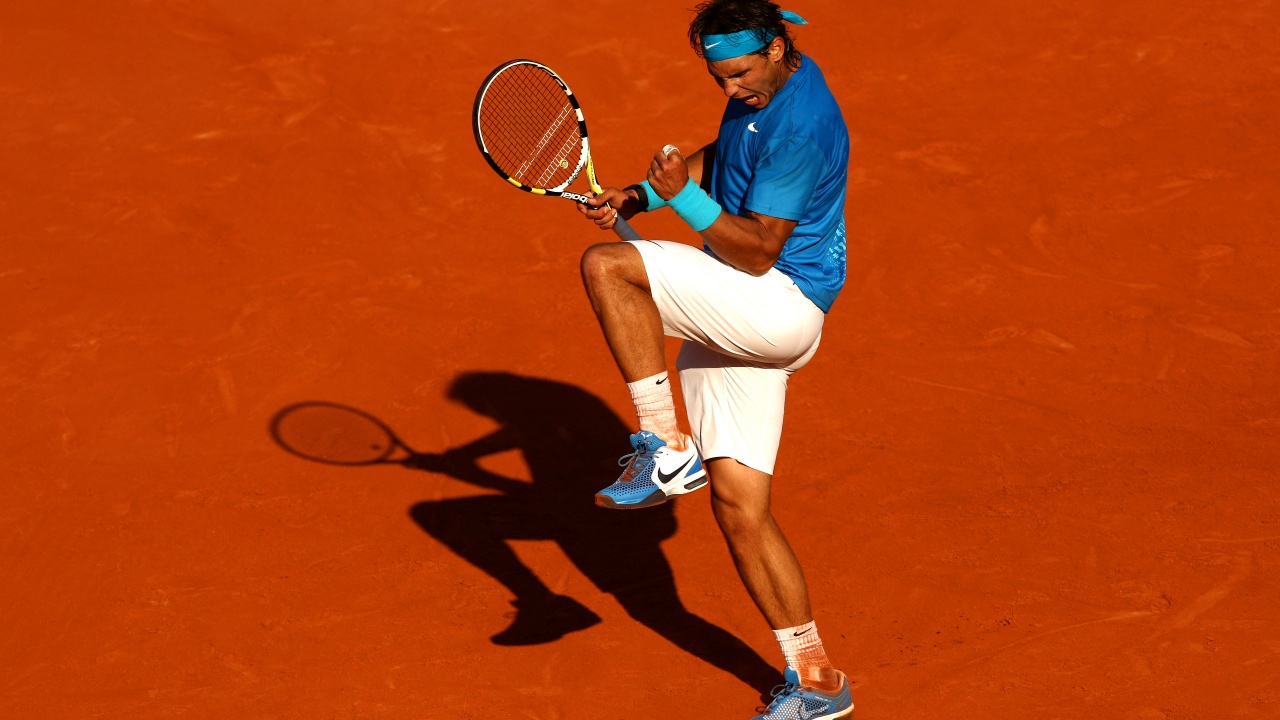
[[646, 196], [642, 201], [695, 206]]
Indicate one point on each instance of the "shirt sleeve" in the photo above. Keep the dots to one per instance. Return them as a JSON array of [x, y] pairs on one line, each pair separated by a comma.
[[785, 179]]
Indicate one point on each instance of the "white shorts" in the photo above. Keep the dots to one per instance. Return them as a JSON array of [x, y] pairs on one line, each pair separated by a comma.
[[744, 336]]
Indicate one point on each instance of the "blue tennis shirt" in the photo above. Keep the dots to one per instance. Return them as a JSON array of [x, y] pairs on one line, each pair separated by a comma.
[[790, 160]]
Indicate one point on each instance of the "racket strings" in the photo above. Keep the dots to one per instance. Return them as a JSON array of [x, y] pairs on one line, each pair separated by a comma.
[[567, 143], [531, 128]]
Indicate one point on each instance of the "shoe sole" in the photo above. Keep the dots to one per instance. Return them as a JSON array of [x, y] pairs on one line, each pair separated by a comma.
[[695, 484], [657, 497], [654, 498]]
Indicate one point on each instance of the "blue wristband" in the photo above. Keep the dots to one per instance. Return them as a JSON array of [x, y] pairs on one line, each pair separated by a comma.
[[653, 202], [695, 207]]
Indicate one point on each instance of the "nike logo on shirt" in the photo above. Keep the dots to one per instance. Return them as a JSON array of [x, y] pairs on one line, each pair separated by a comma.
[[752, 127]]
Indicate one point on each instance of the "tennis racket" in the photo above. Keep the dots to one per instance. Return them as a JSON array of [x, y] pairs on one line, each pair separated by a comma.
[[530, 129], [338, 435]]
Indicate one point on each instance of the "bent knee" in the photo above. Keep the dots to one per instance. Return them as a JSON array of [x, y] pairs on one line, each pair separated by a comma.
[[611, 261]]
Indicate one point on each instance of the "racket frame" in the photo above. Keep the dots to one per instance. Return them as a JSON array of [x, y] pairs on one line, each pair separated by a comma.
[[621, 227], [384, 456]]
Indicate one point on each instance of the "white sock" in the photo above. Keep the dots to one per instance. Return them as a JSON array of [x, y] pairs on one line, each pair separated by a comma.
[[655, 407], [803, 649]]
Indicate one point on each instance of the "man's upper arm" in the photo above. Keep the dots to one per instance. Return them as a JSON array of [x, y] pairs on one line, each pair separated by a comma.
[[779, 229]]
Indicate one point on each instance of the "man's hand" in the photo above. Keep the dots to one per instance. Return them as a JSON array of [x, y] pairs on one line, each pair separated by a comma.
[[668, 173], [623, 202], [750, 242]]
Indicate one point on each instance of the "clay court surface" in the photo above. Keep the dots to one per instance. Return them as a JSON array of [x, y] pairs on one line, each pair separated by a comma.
[[1031, 473]]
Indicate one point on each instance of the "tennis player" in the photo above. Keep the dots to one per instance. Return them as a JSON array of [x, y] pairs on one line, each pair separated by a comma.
[[767, 198]]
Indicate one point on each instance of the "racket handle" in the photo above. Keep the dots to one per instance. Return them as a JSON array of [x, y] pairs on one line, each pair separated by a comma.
[[624, 230]]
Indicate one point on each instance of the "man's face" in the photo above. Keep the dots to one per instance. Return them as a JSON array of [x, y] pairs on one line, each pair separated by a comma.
[[754, 79]]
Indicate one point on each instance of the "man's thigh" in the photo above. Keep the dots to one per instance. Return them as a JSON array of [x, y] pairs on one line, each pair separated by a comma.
[[764, 321], [735, 409]]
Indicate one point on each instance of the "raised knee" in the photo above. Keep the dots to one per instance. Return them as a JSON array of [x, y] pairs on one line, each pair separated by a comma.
[[595, 264], [609, 262]]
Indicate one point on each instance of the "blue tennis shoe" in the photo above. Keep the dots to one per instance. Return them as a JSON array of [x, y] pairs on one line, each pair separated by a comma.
[[793, 701], [654, 472]]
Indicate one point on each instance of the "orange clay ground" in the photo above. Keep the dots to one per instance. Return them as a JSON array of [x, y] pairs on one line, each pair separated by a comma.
[[1030, 474]]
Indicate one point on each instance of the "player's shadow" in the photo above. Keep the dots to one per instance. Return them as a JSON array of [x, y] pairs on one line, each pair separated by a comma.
[[570, 442]]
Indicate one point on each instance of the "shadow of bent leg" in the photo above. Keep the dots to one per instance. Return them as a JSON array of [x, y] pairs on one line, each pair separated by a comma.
[[477, 530]]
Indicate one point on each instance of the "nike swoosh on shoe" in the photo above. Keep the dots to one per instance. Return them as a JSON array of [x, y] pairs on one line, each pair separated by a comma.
[[664, 478]]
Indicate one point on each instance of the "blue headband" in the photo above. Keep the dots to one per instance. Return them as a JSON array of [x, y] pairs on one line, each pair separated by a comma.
[[744, 42]]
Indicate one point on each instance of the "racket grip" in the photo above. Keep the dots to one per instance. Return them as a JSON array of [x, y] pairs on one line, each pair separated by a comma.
[[624, 230]]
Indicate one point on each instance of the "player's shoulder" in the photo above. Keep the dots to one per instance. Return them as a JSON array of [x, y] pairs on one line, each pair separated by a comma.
[[810, 111], [813, 96]]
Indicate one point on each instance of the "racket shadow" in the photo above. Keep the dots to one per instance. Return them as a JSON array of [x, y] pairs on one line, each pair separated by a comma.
[[570, 442]]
